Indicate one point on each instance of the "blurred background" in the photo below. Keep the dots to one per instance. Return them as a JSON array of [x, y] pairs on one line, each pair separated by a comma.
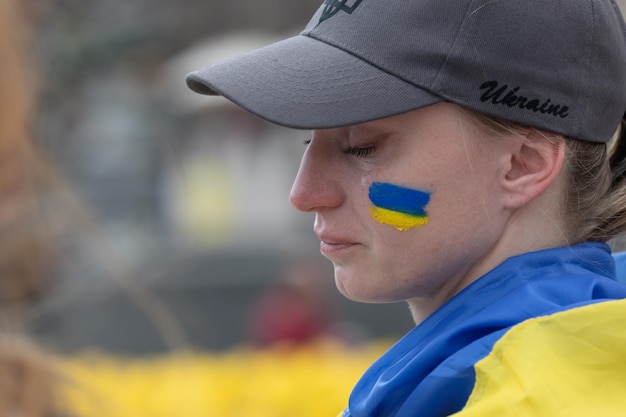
[[151, 245], [185, 228]]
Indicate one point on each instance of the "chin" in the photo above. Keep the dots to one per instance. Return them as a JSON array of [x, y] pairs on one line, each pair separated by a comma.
[[355, 290], [348, 286]]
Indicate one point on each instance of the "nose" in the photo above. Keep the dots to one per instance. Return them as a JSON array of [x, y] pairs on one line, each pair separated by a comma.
[[317, 185]]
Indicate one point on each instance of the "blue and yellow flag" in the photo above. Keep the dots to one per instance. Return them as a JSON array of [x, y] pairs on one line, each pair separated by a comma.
[[401, 207], [543, 334], [568, 364]]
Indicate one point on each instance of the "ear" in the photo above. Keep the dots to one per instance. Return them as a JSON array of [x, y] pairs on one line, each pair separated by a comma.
[[535, 162]]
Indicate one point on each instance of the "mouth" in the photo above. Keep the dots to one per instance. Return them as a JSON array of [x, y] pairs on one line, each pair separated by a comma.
[[332, 247], [333, 243]]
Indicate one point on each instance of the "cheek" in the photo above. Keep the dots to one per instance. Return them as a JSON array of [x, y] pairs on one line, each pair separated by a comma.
[[399, 207]]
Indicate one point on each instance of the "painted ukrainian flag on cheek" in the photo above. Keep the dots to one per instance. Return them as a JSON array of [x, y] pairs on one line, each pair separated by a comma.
[[400, 207]]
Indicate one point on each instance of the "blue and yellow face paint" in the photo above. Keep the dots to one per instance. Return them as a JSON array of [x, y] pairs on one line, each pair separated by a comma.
[[400, 207]]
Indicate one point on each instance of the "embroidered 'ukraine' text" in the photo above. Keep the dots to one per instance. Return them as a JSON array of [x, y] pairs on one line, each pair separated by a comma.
[[511, 98]]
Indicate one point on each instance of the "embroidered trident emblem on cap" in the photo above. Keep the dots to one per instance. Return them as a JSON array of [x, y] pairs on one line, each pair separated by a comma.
[[333, 6]]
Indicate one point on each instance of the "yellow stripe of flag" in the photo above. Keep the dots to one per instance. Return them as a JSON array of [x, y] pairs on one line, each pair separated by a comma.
[[400, 221], [569, 364]]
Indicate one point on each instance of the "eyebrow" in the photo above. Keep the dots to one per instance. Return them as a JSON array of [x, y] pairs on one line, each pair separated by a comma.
[[370, 129]]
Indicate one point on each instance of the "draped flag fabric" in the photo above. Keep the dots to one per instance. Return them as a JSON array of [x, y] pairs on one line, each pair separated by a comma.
[[569, 364], [620, 266], [543, 334]]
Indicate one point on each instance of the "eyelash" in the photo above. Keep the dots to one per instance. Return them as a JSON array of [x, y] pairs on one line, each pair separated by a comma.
[[359, 152]]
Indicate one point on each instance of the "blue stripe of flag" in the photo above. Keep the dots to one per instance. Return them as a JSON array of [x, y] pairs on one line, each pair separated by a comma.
[[400, 199]]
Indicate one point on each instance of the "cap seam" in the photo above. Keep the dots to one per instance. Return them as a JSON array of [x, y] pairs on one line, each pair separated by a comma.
[[435, 81], [365, 58], [589, 75]]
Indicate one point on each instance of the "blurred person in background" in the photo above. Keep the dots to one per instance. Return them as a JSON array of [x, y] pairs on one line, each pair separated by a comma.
[[28, 377], [467, 158], [26, 235], [295, 309]]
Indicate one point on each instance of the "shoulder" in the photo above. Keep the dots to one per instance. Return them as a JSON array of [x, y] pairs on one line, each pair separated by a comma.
[[570, 363]]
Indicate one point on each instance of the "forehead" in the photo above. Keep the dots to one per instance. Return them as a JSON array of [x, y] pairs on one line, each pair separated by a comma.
[[441, 115]]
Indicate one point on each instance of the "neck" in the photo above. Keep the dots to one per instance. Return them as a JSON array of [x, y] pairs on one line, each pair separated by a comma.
[[536, 226]]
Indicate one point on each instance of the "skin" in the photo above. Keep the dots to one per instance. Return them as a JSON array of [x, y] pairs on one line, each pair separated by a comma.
[[481, 191]]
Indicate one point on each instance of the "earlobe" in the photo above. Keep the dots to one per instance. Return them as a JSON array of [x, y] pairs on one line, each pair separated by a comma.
[[535, 163]]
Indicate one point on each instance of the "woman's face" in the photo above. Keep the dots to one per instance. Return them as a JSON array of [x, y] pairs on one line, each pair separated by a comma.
[[407, 207]]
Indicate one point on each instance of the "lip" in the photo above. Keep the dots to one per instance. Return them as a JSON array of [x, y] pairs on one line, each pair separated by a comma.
[[331, 246]]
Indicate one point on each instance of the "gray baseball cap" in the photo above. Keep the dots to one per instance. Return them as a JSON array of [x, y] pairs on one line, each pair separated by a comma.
[[558, 65]]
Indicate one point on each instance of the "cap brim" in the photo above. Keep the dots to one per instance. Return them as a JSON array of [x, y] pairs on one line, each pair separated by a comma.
[[304, 83]]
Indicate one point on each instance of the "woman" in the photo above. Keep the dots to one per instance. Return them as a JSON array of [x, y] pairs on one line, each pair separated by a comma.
[[462, 160]]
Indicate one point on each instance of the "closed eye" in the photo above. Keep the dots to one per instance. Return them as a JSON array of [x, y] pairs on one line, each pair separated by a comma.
[[359, 152]]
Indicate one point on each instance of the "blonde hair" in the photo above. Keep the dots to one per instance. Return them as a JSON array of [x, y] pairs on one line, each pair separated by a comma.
[[598, 172], [595, 199]]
